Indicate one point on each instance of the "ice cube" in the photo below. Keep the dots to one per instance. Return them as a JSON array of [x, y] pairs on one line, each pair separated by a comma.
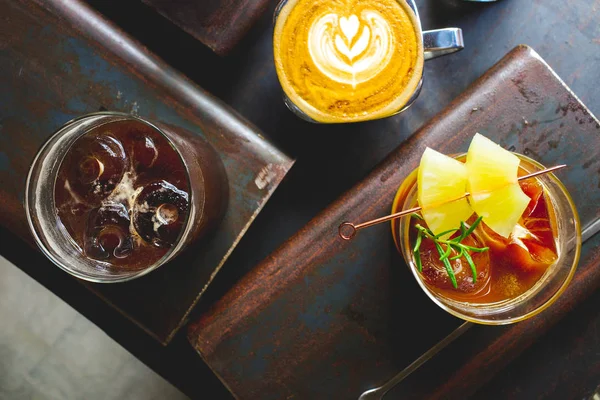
[[145, 152], [95, 165], [160, 212], [107, 232]]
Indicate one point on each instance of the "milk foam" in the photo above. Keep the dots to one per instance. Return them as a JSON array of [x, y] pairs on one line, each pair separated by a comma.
[[125, 192], [349, 49]]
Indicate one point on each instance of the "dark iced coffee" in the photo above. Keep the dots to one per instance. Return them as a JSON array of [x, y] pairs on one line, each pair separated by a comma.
[[123, 194]]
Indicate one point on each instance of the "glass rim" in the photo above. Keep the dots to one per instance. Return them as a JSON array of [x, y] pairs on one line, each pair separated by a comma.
[[63, 264], [299, 111], [400, 244]]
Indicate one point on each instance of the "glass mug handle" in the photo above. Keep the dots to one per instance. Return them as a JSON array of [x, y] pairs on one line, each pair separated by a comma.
[[439, 42]]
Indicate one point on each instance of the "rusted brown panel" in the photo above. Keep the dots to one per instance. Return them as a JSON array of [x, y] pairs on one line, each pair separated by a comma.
[[483, 351], [323, 318], [59, 60], [219, 24]]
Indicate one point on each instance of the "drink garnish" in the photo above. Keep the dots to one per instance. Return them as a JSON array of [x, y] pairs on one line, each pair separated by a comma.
[[489, 178], [440, 178], [347, 230], [495, 193], [462, 250]]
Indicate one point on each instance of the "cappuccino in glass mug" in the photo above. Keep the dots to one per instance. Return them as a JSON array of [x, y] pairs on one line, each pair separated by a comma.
[[352, 60]]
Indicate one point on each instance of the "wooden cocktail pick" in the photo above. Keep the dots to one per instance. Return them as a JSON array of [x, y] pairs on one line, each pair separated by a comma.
[[347, 230]]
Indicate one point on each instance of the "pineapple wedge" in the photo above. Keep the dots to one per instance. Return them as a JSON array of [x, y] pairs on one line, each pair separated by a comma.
[[494, 190], [442, 178]]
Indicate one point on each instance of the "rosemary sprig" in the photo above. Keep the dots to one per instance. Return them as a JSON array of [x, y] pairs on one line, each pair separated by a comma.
[[418, 244], [455, 244]]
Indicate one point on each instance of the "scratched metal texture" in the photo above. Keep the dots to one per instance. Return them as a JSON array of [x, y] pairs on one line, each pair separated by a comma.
[[324, 318], [219, 24], [59, 60], [479, 354]]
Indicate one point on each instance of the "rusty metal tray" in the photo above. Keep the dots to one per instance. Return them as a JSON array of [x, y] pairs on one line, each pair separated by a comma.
[[60, 59], [219, 24], [324, 318]]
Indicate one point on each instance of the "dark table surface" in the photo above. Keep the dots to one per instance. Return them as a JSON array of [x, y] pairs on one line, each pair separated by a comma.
[[565, 363]]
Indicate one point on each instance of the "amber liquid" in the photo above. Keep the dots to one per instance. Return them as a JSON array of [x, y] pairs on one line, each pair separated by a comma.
[[122, 194], [511, 266]]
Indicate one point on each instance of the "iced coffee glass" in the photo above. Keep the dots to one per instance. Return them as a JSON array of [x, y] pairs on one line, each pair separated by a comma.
[[111, 196]]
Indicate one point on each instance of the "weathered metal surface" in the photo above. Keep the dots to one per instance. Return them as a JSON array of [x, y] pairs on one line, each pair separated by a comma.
[[483, 351], [219, 24], [324, 318], [59, 60], [563, 363]]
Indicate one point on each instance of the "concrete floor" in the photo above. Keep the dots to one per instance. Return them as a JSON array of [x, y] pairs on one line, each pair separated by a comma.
[[50, 351]]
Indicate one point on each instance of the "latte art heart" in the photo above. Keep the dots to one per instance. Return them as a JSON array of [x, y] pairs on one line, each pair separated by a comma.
[[349, 26], [336, 54], [347, 60]]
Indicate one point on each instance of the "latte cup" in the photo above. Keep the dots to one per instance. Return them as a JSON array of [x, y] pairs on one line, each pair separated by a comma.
[[342, 61]]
